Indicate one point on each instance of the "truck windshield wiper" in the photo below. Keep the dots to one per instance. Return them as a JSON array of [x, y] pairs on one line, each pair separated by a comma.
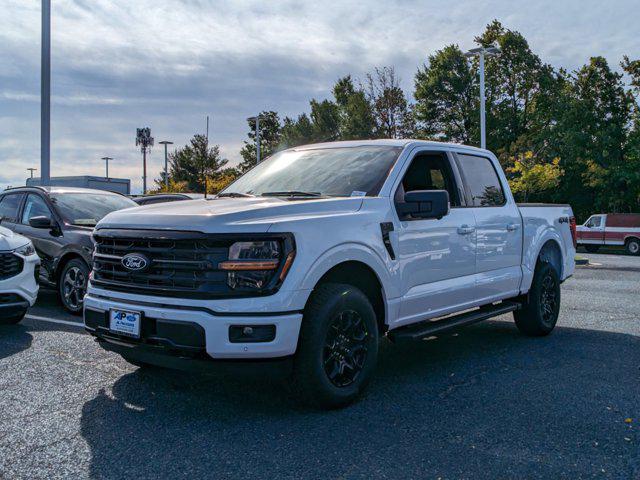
[[235, 195], [291, 193]]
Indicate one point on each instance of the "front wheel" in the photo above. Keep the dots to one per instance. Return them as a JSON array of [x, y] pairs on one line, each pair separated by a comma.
[[14, 319], [338, 347], [633, 246], [539, 314], [73, 285]]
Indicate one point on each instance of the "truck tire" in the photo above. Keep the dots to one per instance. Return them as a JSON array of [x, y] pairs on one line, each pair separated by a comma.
[[72, 285], [633, 246], [337, 349], [539, 313], [592, 248]]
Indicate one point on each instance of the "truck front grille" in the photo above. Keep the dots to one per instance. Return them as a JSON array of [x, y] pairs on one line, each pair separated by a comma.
[[10, 265], [180, 264]]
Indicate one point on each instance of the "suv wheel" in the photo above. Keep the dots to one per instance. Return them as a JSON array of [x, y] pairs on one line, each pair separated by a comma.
[[633, 246], [338, 347], [73, 285], [12, 320], [539, 314]]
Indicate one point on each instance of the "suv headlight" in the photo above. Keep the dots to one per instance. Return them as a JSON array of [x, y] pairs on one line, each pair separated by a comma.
[[258, 265], [26, 250]]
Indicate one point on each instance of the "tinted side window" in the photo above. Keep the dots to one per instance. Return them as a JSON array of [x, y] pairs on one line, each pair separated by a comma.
[[35, 206], [428, 172], [483, 181], [9, 205]]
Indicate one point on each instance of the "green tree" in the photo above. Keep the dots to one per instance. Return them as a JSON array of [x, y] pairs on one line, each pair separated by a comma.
[[530, 178], [446, 94], [391, 110], [296, 132], [190, 165], [270, 138], [355, 114]]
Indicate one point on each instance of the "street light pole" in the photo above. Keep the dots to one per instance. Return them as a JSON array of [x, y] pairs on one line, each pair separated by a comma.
[[481, 52], [45, 95], [31, 170], [106, 159], [166, 163]]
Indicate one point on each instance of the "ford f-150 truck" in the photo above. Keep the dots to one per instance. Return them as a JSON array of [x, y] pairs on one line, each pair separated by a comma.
[[304, 262]]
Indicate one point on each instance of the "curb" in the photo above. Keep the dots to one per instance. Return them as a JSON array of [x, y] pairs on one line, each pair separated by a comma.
[[582, 261]]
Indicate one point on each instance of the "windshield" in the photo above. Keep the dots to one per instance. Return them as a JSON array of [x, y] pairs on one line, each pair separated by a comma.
[[87, 209], [335, 172]]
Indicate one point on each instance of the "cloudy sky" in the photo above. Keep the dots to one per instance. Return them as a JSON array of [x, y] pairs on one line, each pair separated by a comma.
[[166, 64]]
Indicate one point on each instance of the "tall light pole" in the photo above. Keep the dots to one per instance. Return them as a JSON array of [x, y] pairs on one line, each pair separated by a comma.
[[106, 159], [31, 170], [166, 163], [45, 95], [481, 53], [257, 120]]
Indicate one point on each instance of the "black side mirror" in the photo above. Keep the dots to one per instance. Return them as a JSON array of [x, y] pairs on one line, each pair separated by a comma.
[[425, 204], [41, 222]]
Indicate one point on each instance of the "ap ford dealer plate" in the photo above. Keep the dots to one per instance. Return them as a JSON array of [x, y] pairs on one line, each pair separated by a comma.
[[125, 322]]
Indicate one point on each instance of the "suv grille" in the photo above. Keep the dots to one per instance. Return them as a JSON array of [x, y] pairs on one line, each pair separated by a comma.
[[10, 265]]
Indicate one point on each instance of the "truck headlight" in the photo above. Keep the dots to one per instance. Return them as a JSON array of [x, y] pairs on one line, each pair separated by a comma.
[[259, 264], [26, 250]]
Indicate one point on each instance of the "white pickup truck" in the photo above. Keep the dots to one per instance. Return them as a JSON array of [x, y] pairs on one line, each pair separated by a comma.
[[306, 261]]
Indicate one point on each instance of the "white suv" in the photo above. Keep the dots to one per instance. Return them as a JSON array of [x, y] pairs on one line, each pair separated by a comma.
[[19, 270]]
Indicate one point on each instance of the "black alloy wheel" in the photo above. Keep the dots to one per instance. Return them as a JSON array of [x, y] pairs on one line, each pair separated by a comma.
[[345, 349]]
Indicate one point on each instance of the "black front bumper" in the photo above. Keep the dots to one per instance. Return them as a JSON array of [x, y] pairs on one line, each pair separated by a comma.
[[176, 345], [12, 305]]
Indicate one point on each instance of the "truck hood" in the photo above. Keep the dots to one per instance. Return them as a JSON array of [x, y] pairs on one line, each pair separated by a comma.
[[10, 240], [227, 215]]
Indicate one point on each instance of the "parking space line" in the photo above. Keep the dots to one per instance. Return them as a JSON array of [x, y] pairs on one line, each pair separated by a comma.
[[55, 320]]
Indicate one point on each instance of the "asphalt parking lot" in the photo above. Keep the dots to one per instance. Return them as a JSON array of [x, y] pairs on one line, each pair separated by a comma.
[[482, 403]]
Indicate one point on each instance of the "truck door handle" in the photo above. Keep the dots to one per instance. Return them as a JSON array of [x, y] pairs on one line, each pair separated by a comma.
[[466, 229], [512, 227]]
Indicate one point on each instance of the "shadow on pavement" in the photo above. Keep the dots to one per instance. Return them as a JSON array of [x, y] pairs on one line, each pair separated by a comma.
[[486, 403], [13, 339]]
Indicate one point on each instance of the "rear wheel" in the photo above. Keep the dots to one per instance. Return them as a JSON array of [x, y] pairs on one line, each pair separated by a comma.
[[633, 246], [539, 314], [72, 285], [338, 347], [592, 248]]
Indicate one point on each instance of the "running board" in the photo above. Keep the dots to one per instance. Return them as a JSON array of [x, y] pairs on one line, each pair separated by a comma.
[[436, 327]]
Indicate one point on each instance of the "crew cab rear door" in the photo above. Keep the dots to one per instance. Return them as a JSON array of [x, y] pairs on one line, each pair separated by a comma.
[[498, 227], [436, 256]]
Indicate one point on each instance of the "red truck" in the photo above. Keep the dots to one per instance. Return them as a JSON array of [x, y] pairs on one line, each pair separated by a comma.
[[617, 229]]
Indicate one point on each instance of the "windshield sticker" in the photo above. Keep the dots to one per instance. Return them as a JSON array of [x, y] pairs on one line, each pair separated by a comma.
[[356, 193]]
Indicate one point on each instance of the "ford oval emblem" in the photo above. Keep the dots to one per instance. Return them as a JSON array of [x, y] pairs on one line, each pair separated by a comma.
[[135, 262]]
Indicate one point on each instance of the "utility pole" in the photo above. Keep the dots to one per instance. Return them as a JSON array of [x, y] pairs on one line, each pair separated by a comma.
[[482, 52], [206, 157], [106, 159], [257, 120], [166, 164], [145, 141], [31, 170], [45, 95]]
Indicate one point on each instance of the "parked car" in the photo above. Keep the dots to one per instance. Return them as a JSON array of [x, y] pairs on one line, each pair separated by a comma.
[[303, 263], [613, 229], [59, 221], [166, 197], [19, 266]]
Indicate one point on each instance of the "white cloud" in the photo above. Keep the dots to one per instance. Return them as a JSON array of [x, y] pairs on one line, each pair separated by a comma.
[[118, 64]]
